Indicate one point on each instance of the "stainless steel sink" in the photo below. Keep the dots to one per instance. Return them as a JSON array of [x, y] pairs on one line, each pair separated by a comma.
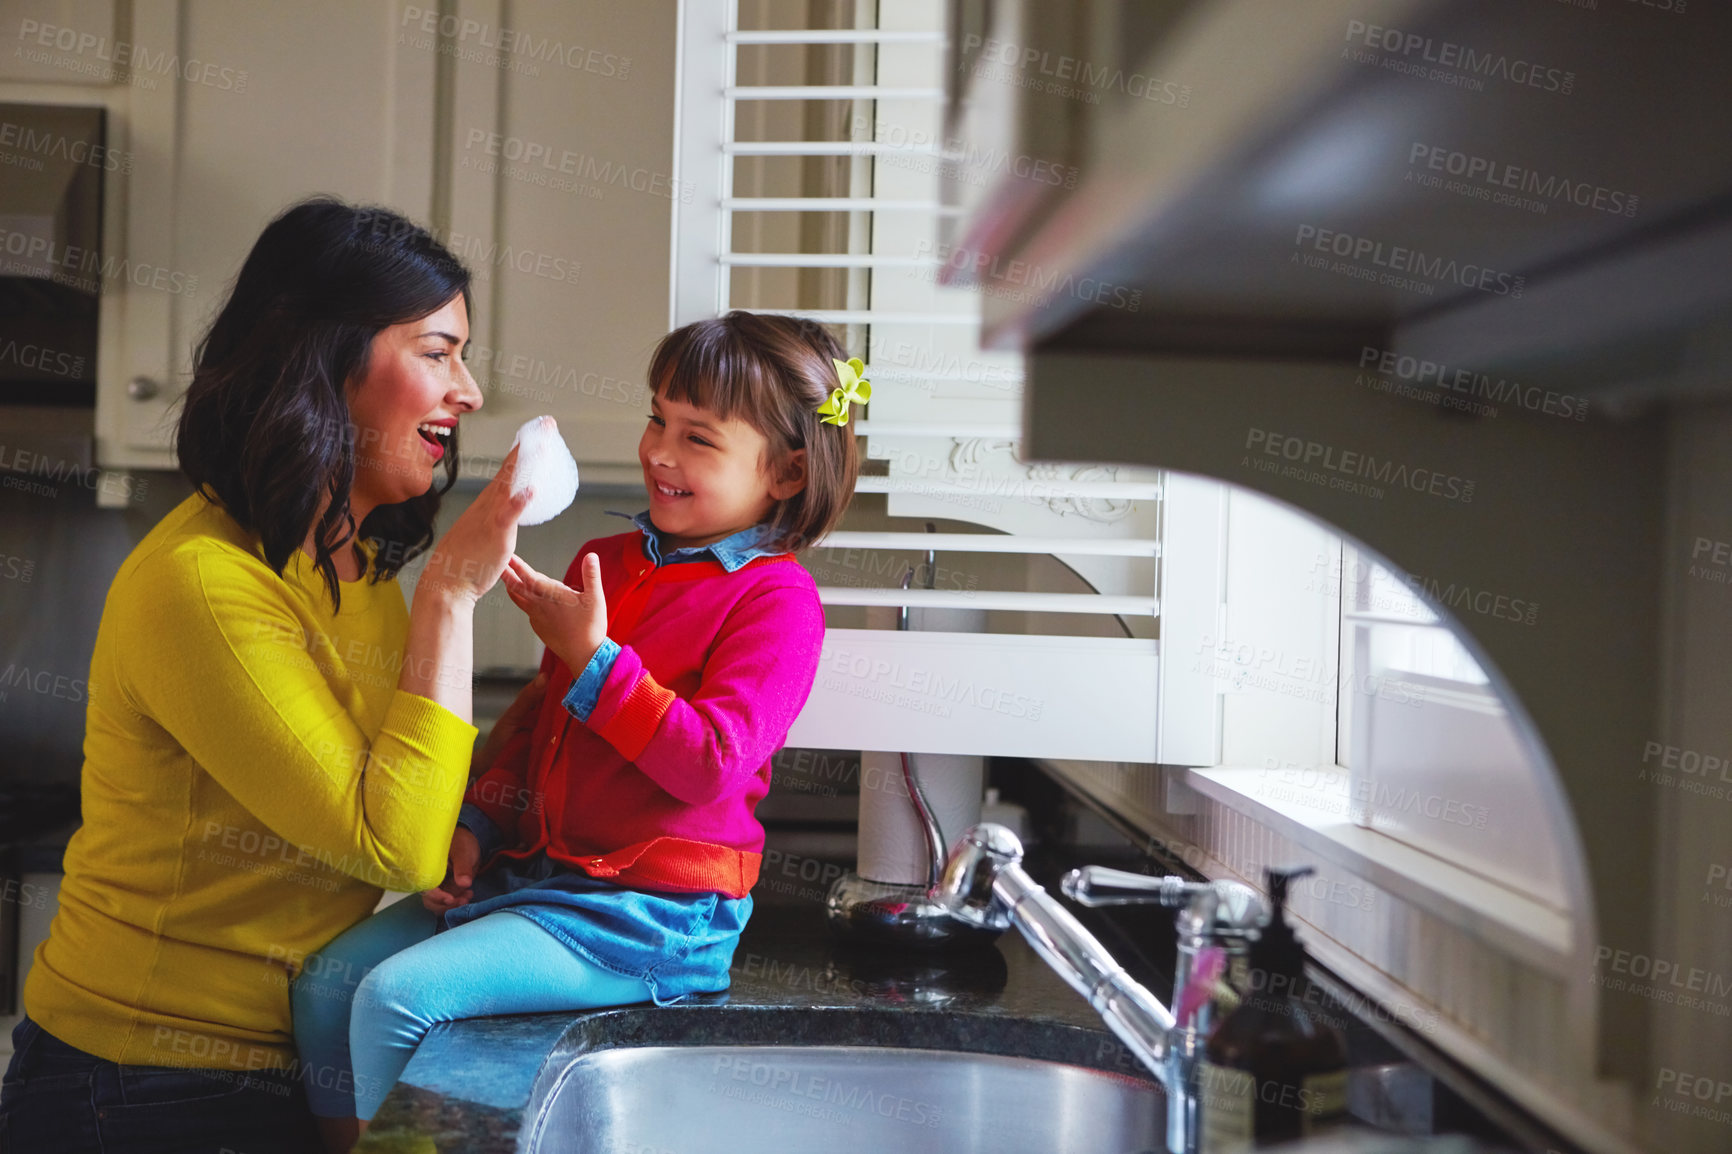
[[840, 1100]]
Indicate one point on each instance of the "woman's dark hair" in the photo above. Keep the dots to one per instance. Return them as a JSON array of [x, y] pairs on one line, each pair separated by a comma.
[[773, 372], [265, 428]]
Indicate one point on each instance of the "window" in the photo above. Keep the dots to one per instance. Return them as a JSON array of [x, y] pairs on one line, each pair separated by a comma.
[[1435, 758]]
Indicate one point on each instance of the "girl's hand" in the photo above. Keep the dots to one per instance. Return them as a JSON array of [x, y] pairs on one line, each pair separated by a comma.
[[519, 717], [459, 884], [572, 623], [470, 557]]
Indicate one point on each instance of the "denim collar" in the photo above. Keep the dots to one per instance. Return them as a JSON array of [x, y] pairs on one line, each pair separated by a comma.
[[732, 552]]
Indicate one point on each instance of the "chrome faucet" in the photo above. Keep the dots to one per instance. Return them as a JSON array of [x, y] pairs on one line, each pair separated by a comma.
[[984, 884]]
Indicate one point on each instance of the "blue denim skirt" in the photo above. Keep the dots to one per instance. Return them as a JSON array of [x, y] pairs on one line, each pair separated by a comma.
[[679, 945]]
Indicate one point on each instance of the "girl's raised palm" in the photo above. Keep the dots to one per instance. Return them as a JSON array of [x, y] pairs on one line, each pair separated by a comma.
[[570, 622]]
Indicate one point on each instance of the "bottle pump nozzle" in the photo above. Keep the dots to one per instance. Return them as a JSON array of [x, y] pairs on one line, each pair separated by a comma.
[[1276, 951]]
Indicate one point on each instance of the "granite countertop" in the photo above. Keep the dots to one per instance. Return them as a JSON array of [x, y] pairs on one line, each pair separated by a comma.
[[473, 1084]]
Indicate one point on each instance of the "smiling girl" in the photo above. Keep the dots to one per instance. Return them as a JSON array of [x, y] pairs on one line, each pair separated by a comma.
[[618, 830]]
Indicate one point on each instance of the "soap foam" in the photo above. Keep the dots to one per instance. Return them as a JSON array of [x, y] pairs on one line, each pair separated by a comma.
[[545, 463]]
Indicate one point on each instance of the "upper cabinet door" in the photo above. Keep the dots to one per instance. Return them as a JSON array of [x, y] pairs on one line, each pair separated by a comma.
[[331, 99], [220, 115], [561, 142]]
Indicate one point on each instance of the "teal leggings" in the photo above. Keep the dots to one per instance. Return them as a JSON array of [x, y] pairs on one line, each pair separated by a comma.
[[363, 1003]]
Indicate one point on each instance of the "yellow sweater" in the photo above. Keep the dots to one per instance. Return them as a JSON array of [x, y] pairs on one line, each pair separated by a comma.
[[252, 779]]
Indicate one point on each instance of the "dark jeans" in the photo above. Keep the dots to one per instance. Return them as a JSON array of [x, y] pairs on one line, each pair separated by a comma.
[[57, 1099]]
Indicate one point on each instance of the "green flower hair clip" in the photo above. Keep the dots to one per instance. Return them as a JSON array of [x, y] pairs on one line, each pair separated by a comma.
[[854, 390]]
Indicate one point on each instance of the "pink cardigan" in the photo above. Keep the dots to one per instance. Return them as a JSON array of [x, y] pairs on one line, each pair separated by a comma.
[[658, 788]]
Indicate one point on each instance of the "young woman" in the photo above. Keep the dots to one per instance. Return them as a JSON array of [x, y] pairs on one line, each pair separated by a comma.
[[273, 737]]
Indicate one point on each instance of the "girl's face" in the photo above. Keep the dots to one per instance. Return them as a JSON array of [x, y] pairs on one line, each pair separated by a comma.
[[708, 478], [406, 407]]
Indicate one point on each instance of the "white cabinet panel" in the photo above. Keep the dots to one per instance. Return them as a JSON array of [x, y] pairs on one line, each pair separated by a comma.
[[228, 113], [573, 161], [1083, 697], [280, 109]]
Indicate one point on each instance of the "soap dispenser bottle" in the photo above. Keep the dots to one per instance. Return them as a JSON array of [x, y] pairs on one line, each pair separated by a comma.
[[1272, 1069]]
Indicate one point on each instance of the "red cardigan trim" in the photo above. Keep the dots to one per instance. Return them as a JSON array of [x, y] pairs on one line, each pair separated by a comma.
[[638, 717], [670, 864]]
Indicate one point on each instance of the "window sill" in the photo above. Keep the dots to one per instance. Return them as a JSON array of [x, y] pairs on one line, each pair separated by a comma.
[[1533, 931]]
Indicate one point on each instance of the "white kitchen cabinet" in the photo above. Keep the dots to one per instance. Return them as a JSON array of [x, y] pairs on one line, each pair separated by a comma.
[[220, 114], [535, 139]]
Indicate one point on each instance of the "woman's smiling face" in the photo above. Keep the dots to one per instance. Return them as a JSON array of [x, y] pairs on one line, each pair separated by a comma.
[[708, 478], [405, 408]]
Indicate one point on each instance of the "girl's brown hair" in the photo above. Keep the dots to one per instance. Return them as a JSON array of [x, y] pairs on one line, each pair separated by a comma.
[[772, 372]]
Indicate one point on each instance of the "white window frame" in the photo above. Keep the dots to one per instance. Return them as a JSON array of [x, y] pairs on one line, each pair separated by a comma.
[[1095, 690]]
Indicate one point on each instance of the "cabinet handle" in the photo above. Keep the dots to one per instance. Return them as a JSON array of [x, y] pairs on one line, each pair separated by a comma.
[[142, 388]]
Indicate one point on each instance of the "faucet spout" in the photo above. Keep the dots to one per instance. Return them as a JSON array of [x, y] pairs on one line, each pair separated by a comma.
[[984, 884]]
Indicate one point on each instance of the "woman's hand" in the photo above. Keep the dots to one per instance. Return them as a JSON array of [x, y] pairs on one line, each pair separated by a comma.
[[519, 717], [459, 884], [570, 622], [469, 558]]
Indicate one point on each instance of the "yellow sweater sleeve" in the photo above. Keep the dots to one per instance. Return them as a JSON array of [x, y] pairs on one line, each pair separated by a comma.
[[211, 651]]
